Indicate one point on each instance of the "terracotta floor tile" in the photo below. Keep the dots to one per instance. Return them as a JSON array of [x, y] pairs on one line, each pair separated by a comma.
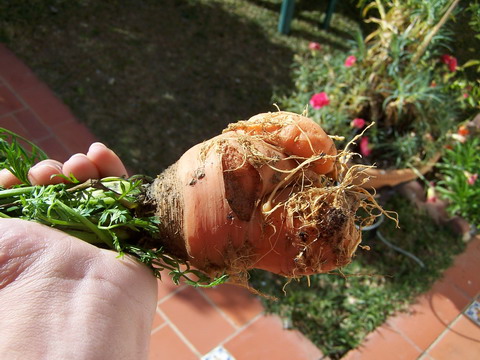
[[166, 286], [266, 339], [10, 123], [75, 136], [51, 110], [464, 272], [237, 303], [35, 128], [382, 344], [425, 357], [165, 344], [429, 317], [9, 102], [15, 72], [462, 341], [158, 321], [199, 321], [54, 148]]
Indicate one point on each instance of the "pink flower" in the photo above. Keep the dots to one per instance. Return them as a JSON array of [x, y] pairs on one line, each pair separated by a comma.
[[314, 46], [365, 148], [357, 123], [445, 58], [319, 100], [451, 61], [471, 178], [452, 65], [349, 61]]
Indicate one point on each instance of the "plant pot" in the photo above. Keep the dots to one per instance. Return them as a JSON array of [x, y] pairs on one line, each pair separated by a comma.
[[379, 178]]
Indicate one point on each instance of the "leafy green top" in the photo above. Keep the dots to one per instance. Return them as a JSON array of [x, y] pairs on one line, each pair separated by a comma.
[[109, 212]]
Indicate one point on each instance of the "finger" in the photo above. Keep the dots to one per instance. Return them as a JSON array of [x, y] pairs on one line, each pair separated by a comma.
[[81, 167], [42, 173], [7, 179], [106, 161]]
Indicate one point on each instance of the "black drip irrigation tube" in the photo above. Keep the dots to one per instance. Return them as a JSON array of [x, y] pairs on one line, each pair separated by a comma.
[[375, 227]]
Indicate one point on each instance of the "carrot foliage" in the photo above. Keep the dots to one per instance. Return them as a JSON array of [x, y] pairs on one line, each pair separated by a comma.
[[108, 213], [15, 157]]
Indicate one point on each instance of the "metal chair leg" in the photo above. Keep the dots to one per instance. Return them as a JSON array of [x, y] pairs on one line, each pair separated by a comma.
[[286, 15], [329, 13]]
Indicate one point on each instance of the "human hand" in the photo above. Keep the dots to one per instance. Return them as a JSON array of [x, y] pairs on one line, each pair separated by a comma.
[[98, 162], [63, 298]]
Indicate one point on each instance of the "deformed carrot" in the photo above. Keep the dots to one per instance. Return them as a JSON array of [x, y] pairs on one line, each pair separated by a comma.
[[263, 194]]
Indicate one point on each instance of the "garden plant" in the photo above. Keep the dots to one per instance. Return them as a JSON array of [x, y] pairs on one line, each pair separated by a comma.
[[401, 77]]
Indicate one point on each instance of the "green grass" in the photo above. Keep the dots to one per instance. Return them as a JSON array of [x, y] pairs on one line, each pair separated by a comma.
[[338, 310], [151, 78]]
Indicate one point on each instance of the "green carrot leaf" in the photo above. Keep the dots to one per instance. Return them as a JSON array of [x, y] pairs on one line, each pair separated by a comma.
[[18, 158]]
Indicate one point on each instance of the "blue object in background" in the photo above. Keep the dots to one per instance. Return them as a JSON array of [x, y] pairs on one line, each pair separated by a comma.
[[286, 15]]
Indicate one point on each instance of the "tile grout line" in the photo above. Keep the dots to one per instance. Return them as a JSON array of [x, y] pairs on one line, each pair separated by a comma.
[[14, 92], [180, 334], [406, 337], [438, 338], [38, 139], [236, 332], [241, 329], [171, 294], [220, 311], [161, 326], [27, 106], [444, 332]]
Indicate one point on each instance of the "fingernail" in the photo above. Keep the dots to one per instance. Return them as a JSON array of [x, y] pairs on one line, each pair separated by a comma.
[[77, 156], [97, 145], [53, 164], [41, 173]]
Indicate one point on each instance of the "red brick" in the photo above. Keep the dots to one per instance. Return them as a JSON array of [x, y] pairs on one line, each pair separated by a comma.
[[54, 148], [10, 123], [50, 109], [265, 338], [35, 128], [75, 136], [15, 72], [197, 319], [9, 102]]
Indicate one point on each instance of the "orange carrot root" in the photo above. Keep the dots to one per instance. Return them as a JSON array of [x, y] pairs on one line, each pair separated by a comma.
[[262, 195]]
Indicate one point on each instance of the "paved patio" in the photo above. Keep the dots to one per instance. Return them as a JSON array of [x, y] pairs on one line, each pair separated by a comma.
[[192, 323]]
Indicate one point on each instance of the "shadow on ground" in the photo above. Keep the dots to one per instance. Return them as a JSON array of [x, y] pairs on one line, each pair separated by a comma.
[[152, 78]]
